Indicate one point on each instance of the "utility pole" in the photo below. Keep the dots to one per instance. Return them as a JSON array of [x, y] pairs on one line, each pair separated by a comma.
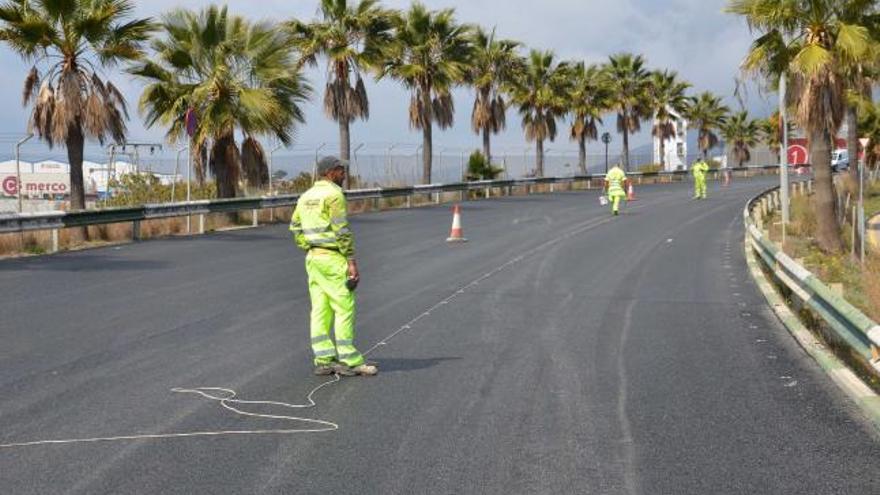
[[18, 184], [606, 138], [783, 158]]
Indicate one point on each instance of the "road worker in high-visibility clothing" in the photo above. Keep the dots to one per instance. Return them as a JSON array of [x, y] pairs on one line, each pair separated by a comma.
[[615, 188], [699, 170], [320, 228]]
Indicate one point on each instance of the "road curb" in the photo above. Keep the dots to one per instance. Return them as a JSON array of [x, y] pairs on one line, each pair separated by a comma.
[[853, 386]]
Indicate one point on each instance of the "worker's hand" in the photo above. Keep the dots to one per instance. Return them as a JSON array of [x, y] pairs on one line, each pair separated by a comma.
[[353, 273]]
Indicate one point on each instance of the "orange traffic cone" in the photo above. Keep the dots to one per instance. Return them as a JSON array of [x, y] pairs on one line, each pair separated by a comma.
[[456, 235], [631, 192]]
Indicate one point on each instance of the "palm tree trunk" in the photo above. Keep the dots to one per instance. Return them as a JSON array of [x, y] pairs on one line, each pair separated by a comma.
[[225, 165], [539, 158], [662, 153], [345, 145], [625, 149], [582, 154], [852, 142], [487, 147], [827, 230], [75, 144], [427, 144], [426, 154]]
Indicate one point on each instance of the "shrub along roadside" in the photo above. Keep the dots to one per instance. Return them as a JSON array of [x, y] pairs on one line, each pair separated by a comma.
[[861, 284]]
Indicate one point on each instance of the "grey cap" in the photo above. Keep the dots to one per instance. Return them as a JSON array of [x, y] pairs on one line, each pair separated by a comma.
[[328, 163]]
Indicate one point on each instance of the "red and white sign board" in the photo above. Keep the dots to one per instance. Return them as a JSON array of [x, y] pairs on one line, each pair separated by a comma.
[[798, 150], [36, 185], [798, 154]]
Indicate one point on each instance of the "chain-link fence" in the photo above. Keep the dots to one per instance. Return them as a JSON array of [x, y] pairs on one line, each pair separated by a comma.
[[45, 174]]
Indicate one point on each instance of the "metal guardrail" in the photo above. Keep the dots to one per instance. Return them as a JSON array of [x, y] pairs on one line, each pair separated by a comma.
[[852, 326], [11, 223]]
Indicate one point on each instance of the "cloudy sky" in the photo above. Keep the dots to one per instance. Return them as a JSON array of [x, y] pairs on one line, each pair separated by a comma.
[[693, 37]]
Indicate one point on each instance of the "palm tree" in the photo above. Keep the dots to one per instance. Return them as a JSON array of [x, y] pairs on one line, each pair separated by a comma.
[[351, 36], [869, 126], [706, 114], [861, 74], [770, 132], [629, 83], [430, 54], [666, 99], [236, 76], [589, 99], [70, 44], [741, 134], [812, 45], [540, 92], [494, 64]]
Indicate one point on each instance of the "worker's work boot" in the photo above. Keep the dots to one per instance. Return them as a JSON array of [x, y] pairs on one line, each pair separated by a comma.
[[324, 369], [366, 369]]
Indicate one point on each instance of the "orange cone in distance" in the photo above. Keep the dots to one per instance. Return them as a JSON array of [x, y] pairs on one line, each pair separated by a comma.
[[456, 235], [630, 192]]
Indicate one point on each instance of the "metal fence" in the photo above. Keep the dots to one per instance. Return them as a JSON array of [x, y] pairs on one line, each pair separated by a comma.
[[55, 221], [851, 326]]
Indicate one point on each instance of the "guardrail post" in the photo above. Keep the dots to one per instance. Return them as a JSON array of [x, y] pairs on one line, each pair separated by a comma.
[[201, 223], [553, 187], [136, 230], [255, 217], [488, 192], [436, 198], [409, 200], [55, 243], [376, 205]]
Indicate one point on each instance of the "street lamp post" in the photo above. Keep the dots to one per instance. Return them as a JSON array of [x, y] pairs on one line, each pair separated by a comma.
[[18, 184], [864, 143], [272, 152], [354, 155], [606, 139], [315, 168], [783, 158], [177, 170]]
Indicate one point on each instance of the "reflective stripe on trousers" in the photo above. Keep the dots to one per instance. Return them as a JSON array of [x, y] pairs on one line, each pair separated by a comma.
[[333, 306]]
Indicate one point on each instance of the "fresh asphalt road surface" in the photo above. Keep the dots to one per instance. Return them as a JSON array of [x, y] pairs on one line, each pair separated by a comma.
[[561, 350]]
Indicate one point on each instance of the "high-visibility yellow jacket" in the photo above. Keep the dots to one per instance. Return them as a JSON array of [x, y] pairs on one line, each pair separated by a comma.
[[319, 220], [615, 179], [700, 169]]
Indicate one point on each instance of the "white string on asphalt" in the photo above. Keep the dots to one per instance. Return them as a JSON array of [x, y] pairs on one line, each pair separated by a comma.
[[227, 397]]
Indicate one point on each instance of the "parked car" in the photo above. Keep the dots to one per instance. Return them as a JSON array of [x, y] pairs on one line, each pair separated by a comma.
[[839, 160]]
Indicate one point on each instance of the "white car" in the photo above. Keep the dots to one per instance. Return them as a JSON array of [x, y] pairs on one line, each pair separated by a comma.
[[839, 160]]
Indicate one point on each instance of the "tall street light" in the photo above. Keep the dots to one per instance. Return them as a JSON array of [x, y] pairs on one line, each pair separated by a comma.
[[606, 139], [864, 143], [783, 158], [18, 184]]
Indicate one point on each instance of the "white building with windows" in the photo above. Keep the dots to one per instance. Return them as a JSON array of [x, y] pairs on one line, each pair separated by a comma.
[[675, 148]]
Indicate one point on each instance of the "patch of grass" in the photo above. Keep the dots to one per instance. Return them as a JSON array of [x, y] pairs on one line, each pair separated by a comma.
[[861, 284]]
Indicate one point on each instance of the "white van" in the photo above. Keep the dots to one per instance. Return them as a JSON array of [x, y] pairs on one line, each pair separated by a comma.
[[839, 160]]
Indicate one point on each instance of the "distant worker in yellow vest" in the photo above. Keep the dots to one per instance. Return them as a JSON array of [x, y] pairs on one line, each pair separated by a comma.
[[615, 188], [320, 227], [699, 169]]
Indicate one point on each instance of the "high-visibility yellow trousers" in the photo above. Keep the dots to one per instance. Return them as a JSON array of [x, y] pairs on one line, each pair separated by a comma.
[[700, 187], [615, 198], [333, 306]]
